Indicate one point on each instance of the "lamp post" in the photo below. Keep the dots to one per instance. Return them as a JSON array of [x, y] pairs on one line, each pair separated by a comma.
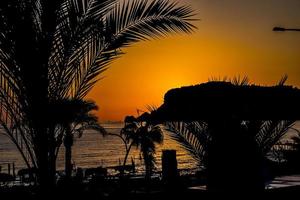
[[281, 29]]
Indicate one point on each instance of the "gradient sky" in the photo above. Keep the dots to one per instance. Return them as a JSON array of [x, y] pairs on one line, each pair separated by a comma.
[[234, 38]]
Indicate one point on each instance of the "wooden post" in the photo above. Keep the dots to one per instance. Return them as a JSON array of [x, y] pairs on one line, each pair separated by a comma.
[[8, 168], [14, 170], [169, 166]]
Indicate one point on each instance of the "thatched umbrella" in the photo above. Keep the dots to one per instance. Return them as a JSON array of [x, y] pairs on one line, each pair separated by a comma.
[[219, 99]]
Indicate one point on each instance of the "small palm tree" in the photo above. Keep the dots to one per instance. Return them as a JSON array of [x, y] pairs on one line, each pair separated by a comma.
[[144, 136], [75, 116]]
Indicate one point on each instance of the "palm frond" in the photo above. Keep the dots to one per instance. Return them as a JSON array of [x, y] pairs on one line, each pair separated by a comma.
[[151, 108], [89, 39], [137, 20], [217, 79], [193, 137], [271, 132], [238, 81], [79, 47], [95, 126], [283, 80]]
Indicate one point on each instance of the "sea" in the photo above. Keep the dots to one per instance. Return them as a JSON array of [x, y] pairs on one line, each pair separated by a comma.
[[95, 150]]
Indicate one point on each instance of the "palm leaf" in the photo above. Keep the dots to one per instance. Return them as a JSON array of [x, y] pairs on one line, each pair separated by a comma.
[[193, 137], [80, 41], [271, 132], [283, 80], [238, 81], [135, 20]]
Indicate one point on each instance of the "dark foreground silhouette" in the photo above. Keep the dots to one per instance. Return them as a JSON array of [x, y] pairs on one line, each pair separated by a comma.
[[236, 161], [53, 51], [234, 114], [218, 100], [77, 193]]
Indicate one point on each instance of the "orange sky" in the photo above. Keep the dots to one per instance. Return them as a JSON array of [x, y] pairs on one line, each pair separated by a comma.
[[233, 38]]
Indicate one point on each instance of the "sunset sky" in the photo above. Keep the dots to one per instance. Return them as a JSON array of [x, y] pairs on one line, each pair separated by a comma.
[[234, 37]]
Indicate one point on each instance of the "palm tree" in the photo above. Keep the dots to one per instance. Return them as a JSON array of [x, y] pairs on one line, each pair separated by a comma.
[[144, 136], [199, 138], [55, 50], [127, 134], [74, 116], [194, 137]]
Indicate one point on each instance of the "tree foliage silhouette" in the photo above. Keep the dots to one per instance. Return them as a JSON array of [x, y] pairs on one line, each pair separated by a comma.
[[238, 124], [55, 50], [144, 136], [194, 137], [74, 117]]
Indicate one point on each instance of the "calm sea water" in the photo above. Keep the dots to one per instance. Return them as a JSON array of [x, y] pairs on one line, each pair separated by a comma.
[[93, 150]]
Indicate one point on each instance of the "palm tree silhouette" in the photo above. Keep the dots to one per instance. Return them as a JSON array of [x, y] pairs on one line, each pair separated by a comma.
[[220, 139], [144, 136], [74, 117], [194, 137], [55, 50]]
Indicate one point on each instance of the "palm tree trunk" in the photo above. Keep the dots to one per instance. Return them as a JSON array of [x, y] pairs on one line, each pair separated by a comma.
[[44, 177], [127, 154], [52, 157], [68, 153], [126, 157], [147, 162], [68, 164], [233, 163]]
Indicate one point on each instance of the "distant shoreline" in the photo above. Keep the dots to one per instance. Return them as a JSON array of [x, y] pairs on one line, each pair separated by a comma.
[[111, 122]]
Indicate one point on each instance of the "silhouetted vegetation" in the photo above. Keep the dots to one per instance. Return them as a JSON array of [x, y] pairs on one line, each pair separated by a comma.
[[289, 155], [144, 136], [54, 51], [237, 125], [216, 99], [194, 137], [75, 116]]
